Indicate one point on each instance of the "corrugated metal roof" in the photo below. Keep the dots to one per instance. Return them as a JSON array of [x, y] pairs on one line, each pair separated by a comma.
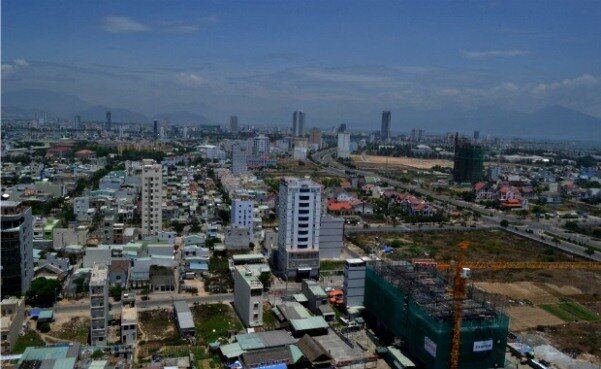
[[184, 315], [231, 350], [314, 322]]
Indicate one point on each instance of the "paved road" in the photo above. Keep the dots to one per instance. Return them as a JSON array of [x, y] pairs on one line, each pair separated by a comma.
[[488, 216]]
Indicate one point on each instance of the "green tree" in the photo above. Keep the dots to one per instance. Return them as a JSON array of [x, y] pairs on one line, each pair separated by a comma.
[[115, 292], [265, 279], [590, 251], [42, 292], [505, 223]]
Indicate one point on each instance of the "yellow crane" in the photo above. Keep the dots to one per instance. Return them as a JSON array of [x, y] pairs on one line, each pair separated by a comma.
[[462, 272]]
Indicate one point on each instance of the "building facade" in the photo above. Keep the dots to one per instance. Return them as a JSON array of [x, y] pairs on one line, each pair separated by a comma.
[[468, 163], [344, 145], [152, 197], [331, 236], [17, 248], [299, 212], [386, 124], [242, 213], [248, 296], [298, 123], [315, 137], [239, 159], [99, 305], [234, 124], [354, 282]]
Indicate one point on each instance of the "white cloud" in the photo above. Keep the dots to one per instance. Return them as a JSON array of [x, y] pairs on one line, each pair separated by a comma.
[[11, 68], [583, 80], [116, 24], [119, 24], [488, 54], [190, 79]]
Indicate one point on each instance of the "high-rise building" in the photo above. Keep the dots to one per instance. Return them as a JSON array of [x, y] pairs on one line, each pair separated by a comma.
[[386, 124], [99, 305], [344, 145], [108, 121], [300, 148], [260, 146], [156, 128], [152, 197], [354, 282], [17, 247], [234, 124], [468, 165], [342, 128], [78, 122], [239, 159], [417, 134], [315, 137], [476, 135], [298, 123], [242, 213], [331, 236], [299, 212]]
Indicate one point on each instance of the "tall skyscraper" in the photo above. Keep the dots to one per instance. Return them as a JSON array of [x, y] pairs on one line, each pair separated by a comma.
[[234, 124], [468, 164], [344, 145], [315, 137], [156, 128], [298, 123], [386, 124], [108, 121], [78, 122], [239, 159], [342, 128], [152, 197], [299, 213], [16, 247], [476, 135], [242, 213]]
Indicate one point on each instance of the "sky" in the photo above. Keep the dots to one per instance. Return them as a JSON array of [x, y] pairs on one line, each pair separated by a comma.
[[339, 61]]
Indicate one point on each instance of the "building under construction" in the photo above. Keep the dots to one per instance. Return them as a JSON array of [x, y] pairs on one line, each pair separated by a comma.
[[414, 306]]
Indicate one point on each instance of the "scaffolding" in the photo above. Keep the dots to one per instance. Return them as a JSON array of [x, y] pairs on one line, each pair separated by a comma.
[[415, 305]]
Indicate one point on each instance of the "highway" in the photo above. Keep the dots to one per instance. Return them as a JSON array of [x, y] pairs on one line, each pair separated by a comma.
[[489, 217]]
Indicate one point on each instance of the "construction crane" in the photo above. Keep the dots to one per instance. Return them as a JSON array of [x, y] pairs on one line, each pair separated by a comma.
[[463, 272]]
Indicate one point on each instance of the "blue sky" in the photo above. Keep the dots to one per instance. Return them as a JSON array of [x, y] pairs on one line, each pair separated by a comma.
[[337, 60]]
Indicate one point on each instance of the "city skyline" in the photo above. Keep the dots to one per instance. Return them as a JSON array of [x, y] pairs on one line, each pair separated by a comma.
[[221, 59]]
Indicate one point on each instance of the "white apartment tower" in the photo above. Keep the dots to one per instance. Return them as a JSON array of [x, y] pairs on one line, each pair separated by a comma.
[[99, 305], [242, 213], [299, 212], [260, 146], [17, 248], [152, 197], [344, 145], [239, 159]]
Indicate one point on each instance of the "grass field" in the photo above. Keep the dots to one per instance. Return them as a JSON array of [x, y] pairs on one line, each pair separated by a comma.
[[214, 321], [31, 338], [570, 312], [485, 245], [179, 351], [326, 265]]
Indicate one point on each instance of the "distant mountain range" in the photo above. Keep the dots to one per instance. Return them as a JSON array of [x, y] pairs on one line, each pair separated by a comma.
[[552, 122], [29, 104]]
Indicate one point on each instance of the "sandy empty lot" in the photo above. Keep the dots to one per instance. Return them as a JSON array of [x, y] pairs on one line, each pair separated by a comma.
[[524, 317], [519, 291], [407, 162]]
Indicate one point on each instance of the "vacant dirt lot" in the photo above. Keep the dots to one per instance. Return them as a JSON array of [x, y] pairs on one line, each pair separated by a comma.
[[525, 317], [404, 162], [157, 325], [519, 291]]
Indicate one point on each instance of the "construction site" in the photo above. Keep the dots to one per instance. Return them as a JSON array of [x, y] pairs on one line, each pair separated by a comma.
[[414, 307]]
